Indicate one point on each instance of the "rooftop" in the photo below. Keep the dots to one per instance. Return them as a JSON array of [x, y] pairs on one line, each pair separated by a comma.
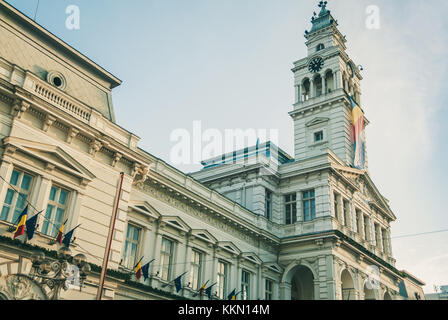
[[268, 150]]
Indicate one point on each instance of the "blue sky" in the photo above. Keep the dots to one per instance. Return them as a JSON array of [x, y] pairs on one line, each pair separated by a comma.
[[228, 64]]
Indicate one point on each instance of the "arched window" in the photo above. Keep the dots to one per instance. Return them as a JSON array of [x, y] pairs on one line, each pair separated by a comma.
[[329, 81], [320, 47], [305, 89]]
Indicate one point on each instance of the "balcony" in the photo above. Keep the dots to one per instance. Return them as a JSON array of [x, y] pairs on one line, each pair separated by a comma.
[[332, 96]]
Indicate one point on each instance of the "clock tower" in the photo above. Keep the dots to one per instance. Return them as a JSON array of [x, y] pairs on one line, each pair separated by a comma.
[[325, 82]]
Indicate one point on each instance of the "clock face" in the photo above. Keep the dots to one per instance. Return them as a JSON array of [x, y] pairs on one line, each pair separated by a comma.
[[316, 65]]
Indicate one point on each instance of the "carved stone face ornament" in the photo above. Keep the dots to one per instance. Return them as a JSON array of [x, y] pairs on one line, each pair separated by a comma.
[[21, 287]]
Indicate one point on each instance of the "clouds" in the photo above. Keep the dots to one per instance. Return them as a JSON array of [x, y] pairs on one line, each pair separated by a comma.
[[227, 63], [405, 74]]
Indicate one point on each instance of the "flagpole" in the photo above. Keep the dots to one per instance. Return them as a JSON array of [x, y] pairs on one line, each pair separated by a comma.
[[109, 240]]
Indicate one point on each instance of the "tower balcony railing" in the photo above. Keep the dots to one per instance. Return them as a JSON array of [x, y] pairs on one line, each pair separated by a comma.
[[319, 99]]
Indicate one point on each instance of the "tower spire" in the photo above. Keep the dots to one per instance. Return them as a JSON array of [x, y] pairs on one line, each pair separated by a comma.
[[323, 20]]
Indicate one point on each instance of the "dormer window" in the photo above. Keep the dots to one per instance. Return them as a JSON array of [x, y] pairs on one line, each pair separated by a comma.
[[320, 47]]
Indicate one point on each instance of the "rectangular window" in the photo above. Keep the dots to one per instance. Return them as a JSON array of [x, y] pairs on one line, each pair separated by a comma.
[[56, 211], [245, 285], [291, 208], [269, 285], [268, 206], [318, 136], [166, 259], [131, 246], [15, 201], [221, 281], [196, 270], [309, 205]]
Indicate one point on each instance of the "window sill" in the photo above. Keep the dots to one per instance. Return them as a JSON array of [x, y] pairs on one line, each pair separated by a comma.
[[320, 143]]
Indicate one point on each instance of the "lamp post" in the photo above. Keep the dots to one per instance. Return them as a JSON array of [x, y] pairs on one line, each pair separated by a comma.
[[61, 273]]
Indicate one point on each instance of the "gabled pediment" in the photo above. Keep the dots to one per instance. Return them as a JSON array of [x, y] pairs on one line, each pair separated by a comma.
[[229, 247], [252, 257], [51, 155], [176, 223], [145, 208], [364, 184], [204, 235], [273, 266], [317, 121]]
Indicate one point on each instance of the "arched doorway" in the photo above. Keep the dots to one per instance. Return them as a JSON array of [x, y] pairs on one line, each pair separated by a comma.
[[302, 284], [347, 286], [369, 294]]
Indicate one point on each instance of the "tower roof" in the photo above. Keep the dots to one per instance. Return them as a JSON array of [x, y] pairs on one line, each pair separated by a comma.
[[323, 20]]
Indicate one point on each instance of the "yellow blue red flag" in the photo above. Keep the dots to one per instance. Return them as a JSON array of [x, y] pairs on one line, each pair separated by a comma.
[[22, 222], [358, 131]]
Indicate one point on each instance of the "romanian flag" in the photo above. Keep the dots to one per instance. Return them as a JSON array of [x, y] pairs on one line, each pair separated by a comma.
[[22, 222], [202, 289], [138, 269], [358, 131], [61, 233]]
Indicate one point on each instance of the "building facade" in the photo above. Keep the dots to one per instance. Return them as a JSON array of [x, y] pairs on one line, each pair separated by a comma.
[[440, 294], [266, 225]]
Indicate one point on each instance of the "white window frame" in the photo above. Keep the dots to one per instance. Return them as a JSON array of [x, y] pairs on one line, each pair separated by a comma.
[[126, 262], [268, 204], [310, 199], [16, 194], [166, 259], [245, 284], [222, 278], [292, 205], [197, 258], [49, 223], [268, 291]]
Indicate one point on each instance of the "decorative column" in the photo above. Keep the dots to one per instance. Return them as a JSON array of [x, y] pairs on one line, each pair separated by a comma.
[[285, 291], [297, 93], [337, 79], [43, 197], [187, 260], [361, 226], [312, 93], [353, 215], [210, 267], [6, 169], [179, 266], [341, 210], [321, 85], [156, 252], [260, 285]]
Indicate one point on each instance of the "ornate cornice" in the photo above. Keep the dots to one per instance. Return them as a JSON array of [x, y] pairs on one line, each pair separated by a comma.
[[204, 214]]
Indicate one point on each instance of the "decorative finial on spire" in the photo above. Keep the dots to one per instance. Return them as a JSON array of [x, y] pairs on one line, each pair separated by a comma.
[[323, 4]]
